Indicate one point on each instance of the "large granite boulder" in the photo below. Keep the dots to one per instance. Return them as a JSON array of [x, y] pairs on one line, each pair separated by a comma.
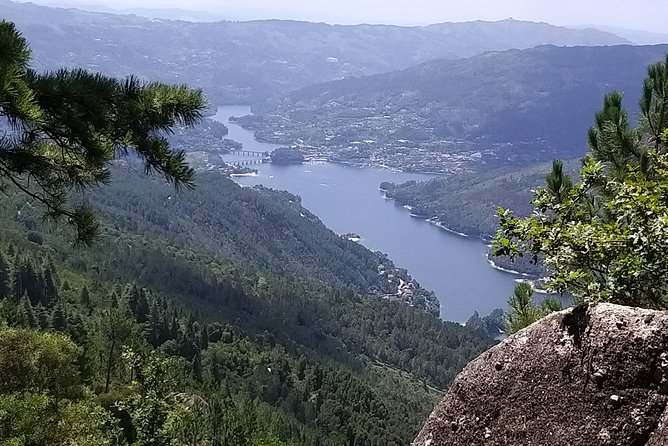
[[586, 376]]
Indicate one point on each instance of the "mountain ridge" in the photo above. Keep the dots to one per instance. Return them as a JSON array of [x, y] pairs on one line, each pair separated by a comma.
[[243, 62], [509, 106]]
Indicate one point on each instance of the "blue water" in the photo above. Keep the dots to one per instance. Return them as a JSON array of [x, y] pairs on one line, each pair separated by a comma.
[[347, 199]]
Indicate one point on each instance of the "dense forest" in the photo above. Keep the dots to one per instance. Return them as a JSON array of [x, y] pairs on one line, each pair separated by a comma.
[[162, 333], [259, 228], [131, 314], [183, 309]]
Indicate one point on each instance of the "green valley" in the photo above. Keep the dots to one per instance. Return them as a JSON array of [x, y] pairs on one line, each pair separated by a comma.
[[508, 108]]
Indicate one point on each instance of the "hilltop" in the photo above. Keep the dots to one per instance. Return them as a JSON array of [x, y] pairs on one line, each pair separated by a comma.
[[243, 62], [515, 106]]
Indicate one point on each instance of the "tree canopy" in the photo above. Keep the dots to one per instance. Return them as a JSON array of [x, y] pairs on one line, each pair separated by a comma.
[[64, 128], [605, 238]]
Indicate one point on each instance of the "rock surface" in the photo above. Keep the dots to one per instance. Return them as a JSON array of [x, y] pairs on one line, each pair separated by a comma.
[[586, 376]]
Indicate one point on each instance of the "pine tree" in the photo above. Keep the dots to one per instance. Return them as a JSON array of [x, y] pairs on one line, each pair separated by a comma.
[[4, 278], [16, 285], [58, 318], [41, 316], [50, 291], [115, 328], [153, 328], [34, 283], [605, 238], [558, 183], [204, 338], [114, 300], [25, 313], [68, 126], [196, 365], [84, 297], [132, 296], [523, 311], [143, 308]]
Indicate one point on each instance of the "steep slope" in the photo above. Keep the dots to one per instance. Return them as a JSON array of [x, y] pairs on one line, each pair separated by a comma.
[[258, 228], [296, 353], [468, 203], [237, 62], [515, 105], [587, 376]]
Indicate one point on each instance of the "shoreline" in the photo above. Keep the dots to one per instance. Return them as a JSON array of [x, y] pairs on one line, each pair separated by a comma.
[[366, 163], [535, 289], [440, 225], [429, 220], [374, 165], [506, 270]]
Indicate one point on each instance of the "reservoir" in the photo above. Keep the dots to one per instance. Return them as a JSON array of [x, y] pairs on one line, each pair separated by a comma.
[[347, 199]]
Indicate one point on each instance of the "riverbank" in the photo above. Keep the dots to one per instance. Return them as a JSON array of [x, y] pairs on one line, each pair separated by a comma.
[[429, 220], [438, 224], [435, 222], [450, 265], [507, 270]]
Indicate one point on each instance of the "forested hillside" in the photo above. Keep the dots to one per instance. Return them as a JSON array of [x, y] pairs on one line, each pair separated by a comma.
[[130, 314], [257, 228], [468, 203], [449, 115], [251, 354], [244, 62]]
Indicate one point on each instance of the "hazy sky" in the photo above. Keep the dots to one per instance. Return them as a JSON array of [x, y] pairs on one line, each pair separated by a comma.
[[649, 15]]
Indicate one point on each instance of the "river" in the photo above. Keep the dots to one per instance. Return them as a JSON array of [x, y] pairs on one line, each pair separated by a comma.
[[347, 199]]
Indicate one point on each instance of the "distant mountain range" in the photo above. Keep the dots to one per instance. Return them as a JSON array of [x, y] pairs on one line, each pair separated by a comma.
[[150, 13], [635, 36], [242, 62], [537, 102]]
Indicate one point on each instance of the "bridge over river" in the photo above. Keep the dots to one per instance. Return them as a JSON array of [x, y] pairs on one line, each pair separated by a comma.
[[245, 157], [249, 153]]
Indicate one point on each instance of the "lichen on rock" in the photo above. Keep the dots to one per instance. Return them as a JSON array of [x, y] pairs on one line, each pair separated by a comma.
[[586, 376]]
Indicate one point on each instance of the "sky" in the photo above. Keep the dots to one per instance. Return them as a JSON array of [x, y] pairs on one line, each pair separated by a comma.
[[647, 15]]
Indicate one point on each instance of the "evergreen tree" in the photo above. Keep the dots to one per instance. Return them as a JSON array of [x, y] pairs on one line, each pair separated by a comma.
[[605, 238], [4, 278], [17, 282], [196, 366], [115, 329], [84, 297], [523, 310], [68, 126], [26, 281], [558, 183], [154, 328], [58, 318], [114, 300], [131, 294], [50, 291], [143, 308], [25, 313], [41, 316], [204, 338]]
